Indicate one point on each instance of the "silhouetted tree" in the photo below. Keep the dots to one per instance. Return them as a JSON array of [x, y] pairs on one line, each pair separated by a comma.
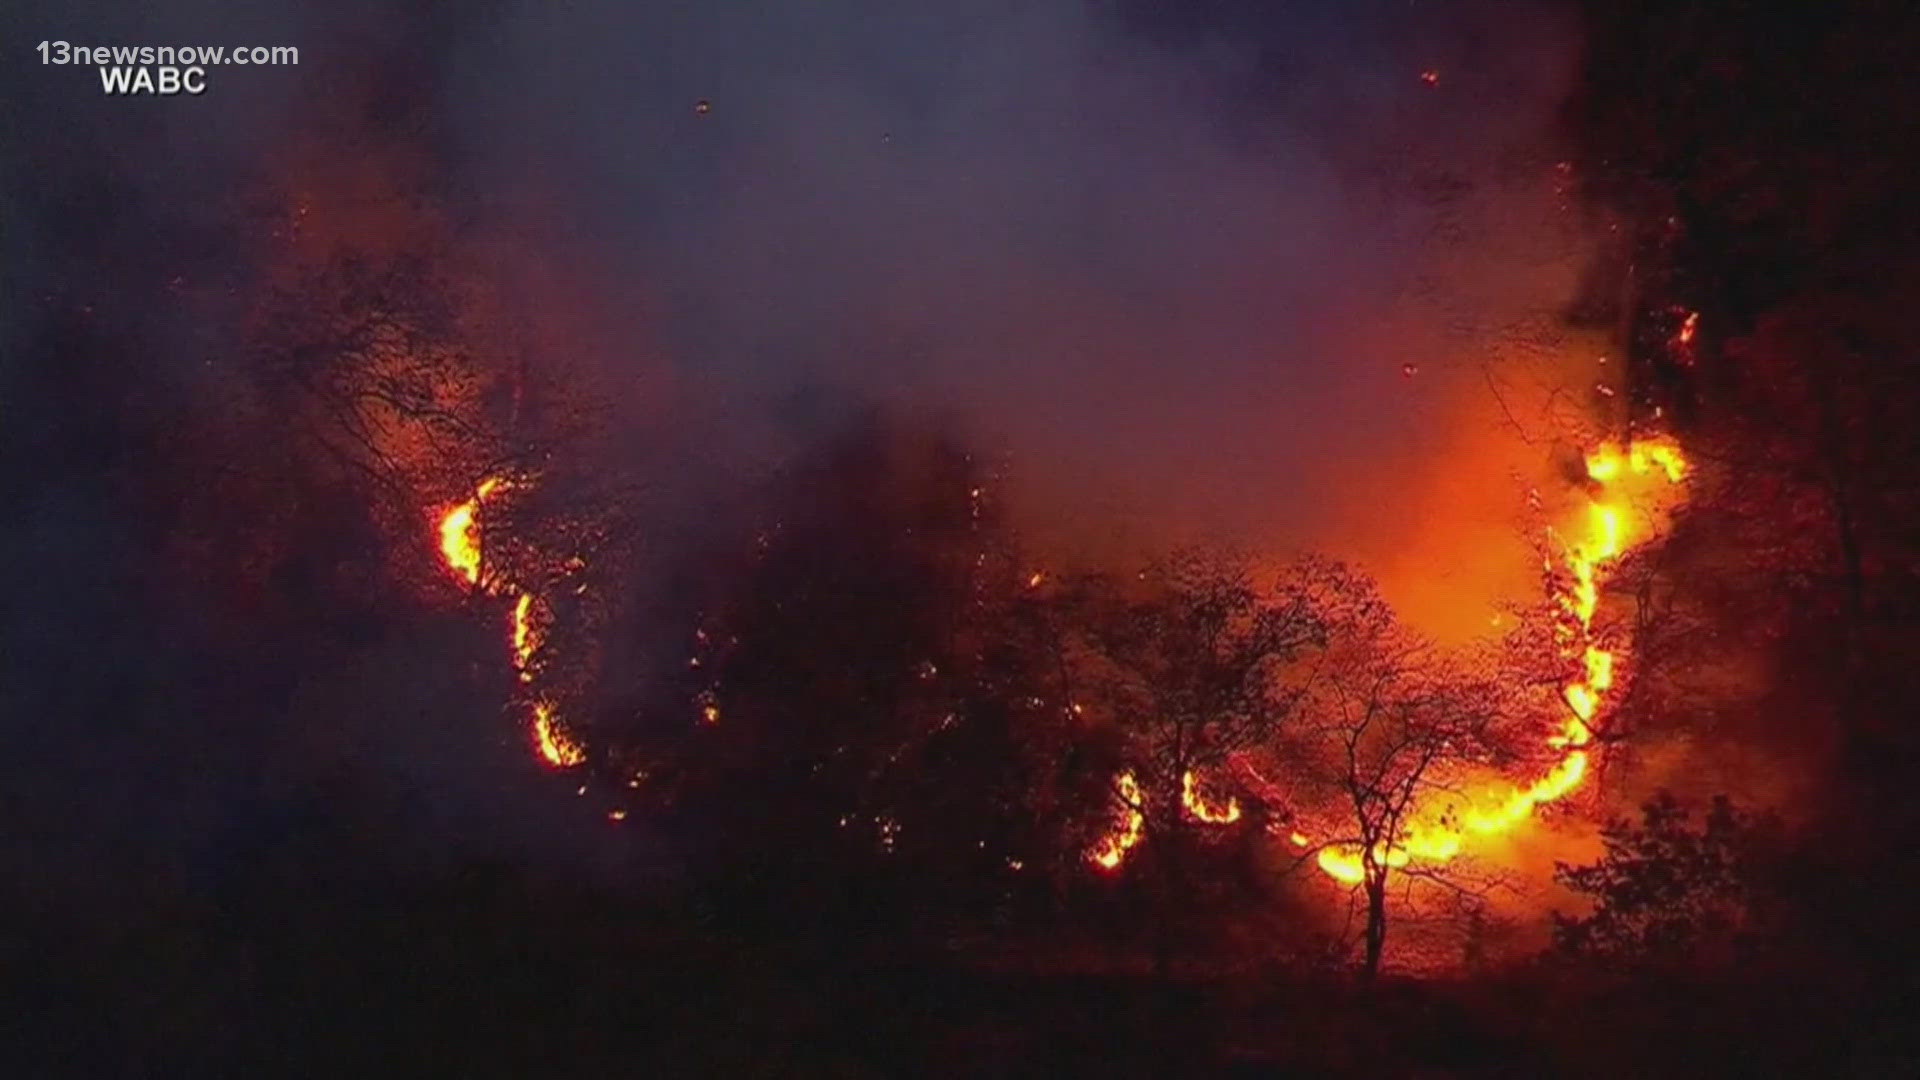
[[1185, 663], [1388, 731], [1667, 892], [862, 719]]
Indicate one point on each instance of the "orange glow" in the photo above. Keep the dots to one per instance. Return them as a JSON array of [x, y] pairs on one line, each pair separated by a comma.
[[1201, 809], [460, 548], [1611, 522], [1113, 847], [525, 640], [556, 748], [1128, 830], [458, 545], [459, 541]]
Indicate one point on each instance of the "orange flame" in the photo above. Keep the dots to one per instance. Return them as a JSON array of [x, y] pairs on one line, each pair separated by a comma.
[[459, 540], [1588, 561], [460, 547], [556, 748], [1113, 847], [1197, 805], [458, 544], [525, 638]]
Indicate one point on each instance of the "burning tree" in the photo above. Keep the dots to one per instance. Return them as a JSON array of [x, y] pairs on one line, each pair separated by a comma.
[[1185, 663], [1389, 733], [394, 376]]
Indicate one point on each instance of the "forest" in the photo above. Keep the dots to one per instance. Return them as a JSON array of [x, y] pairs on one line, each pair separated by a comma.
[[412, 666]]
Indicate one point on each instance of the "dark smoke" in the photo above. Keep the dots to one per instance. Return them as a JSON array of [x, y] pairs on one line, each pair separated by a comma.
[[1175, 258], [1227, 271]]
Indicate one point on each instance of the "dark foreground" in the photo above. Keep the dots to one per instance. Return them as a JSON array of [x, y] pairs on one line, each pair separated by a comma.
[[483, 975]]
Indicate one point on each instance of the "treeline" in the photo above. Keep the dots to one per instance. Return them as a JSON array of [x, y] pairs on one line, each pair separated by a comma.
[[1762, 158]]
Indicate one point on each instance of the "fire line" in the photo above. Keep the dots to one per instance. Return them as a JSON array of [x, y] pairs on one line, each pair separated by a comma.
[[1609, 534]]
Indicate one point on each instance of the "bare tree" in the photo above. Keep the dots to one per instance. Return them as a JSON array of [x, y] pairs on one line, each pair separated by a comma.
[[1388, 728], [1184, 661], [370, 360]]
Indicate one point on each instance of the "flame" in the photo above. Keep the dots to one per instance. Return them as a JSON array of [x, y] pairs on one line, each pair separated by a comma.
[[1587, 561], [556, 748], [458, 544], [1197, 805], [1433, 834], [460, 548], [1113, 847], [459, 539], [525, 640]]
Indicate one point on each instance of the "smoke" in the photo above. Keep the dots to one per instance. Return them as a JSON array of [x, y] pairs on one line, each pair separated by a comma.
[[1224, 271], [1230, 272]]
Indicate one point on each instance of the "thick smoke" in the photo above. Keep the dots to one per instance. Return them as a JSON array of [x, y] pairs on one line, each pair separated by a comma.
[[1227, 272]]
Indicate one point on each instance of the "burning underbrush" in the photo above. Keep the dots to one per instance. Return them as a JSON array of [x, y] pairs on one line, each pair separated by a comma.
[[898, 684], [868, 673]]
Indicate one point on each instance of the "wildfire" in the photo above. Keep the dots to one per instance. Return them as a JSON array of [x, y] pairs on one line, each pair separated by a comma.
[[460, 547], [1587, 560], [1201, 809], [556, 748], [525, 638], [1439, 834], [459, 538], [1113, 847]]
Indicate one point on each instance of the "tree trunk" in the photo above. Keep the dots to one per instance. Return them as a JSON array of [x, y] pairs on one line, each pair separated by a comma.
[[1376, 886], [1166, 902]]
